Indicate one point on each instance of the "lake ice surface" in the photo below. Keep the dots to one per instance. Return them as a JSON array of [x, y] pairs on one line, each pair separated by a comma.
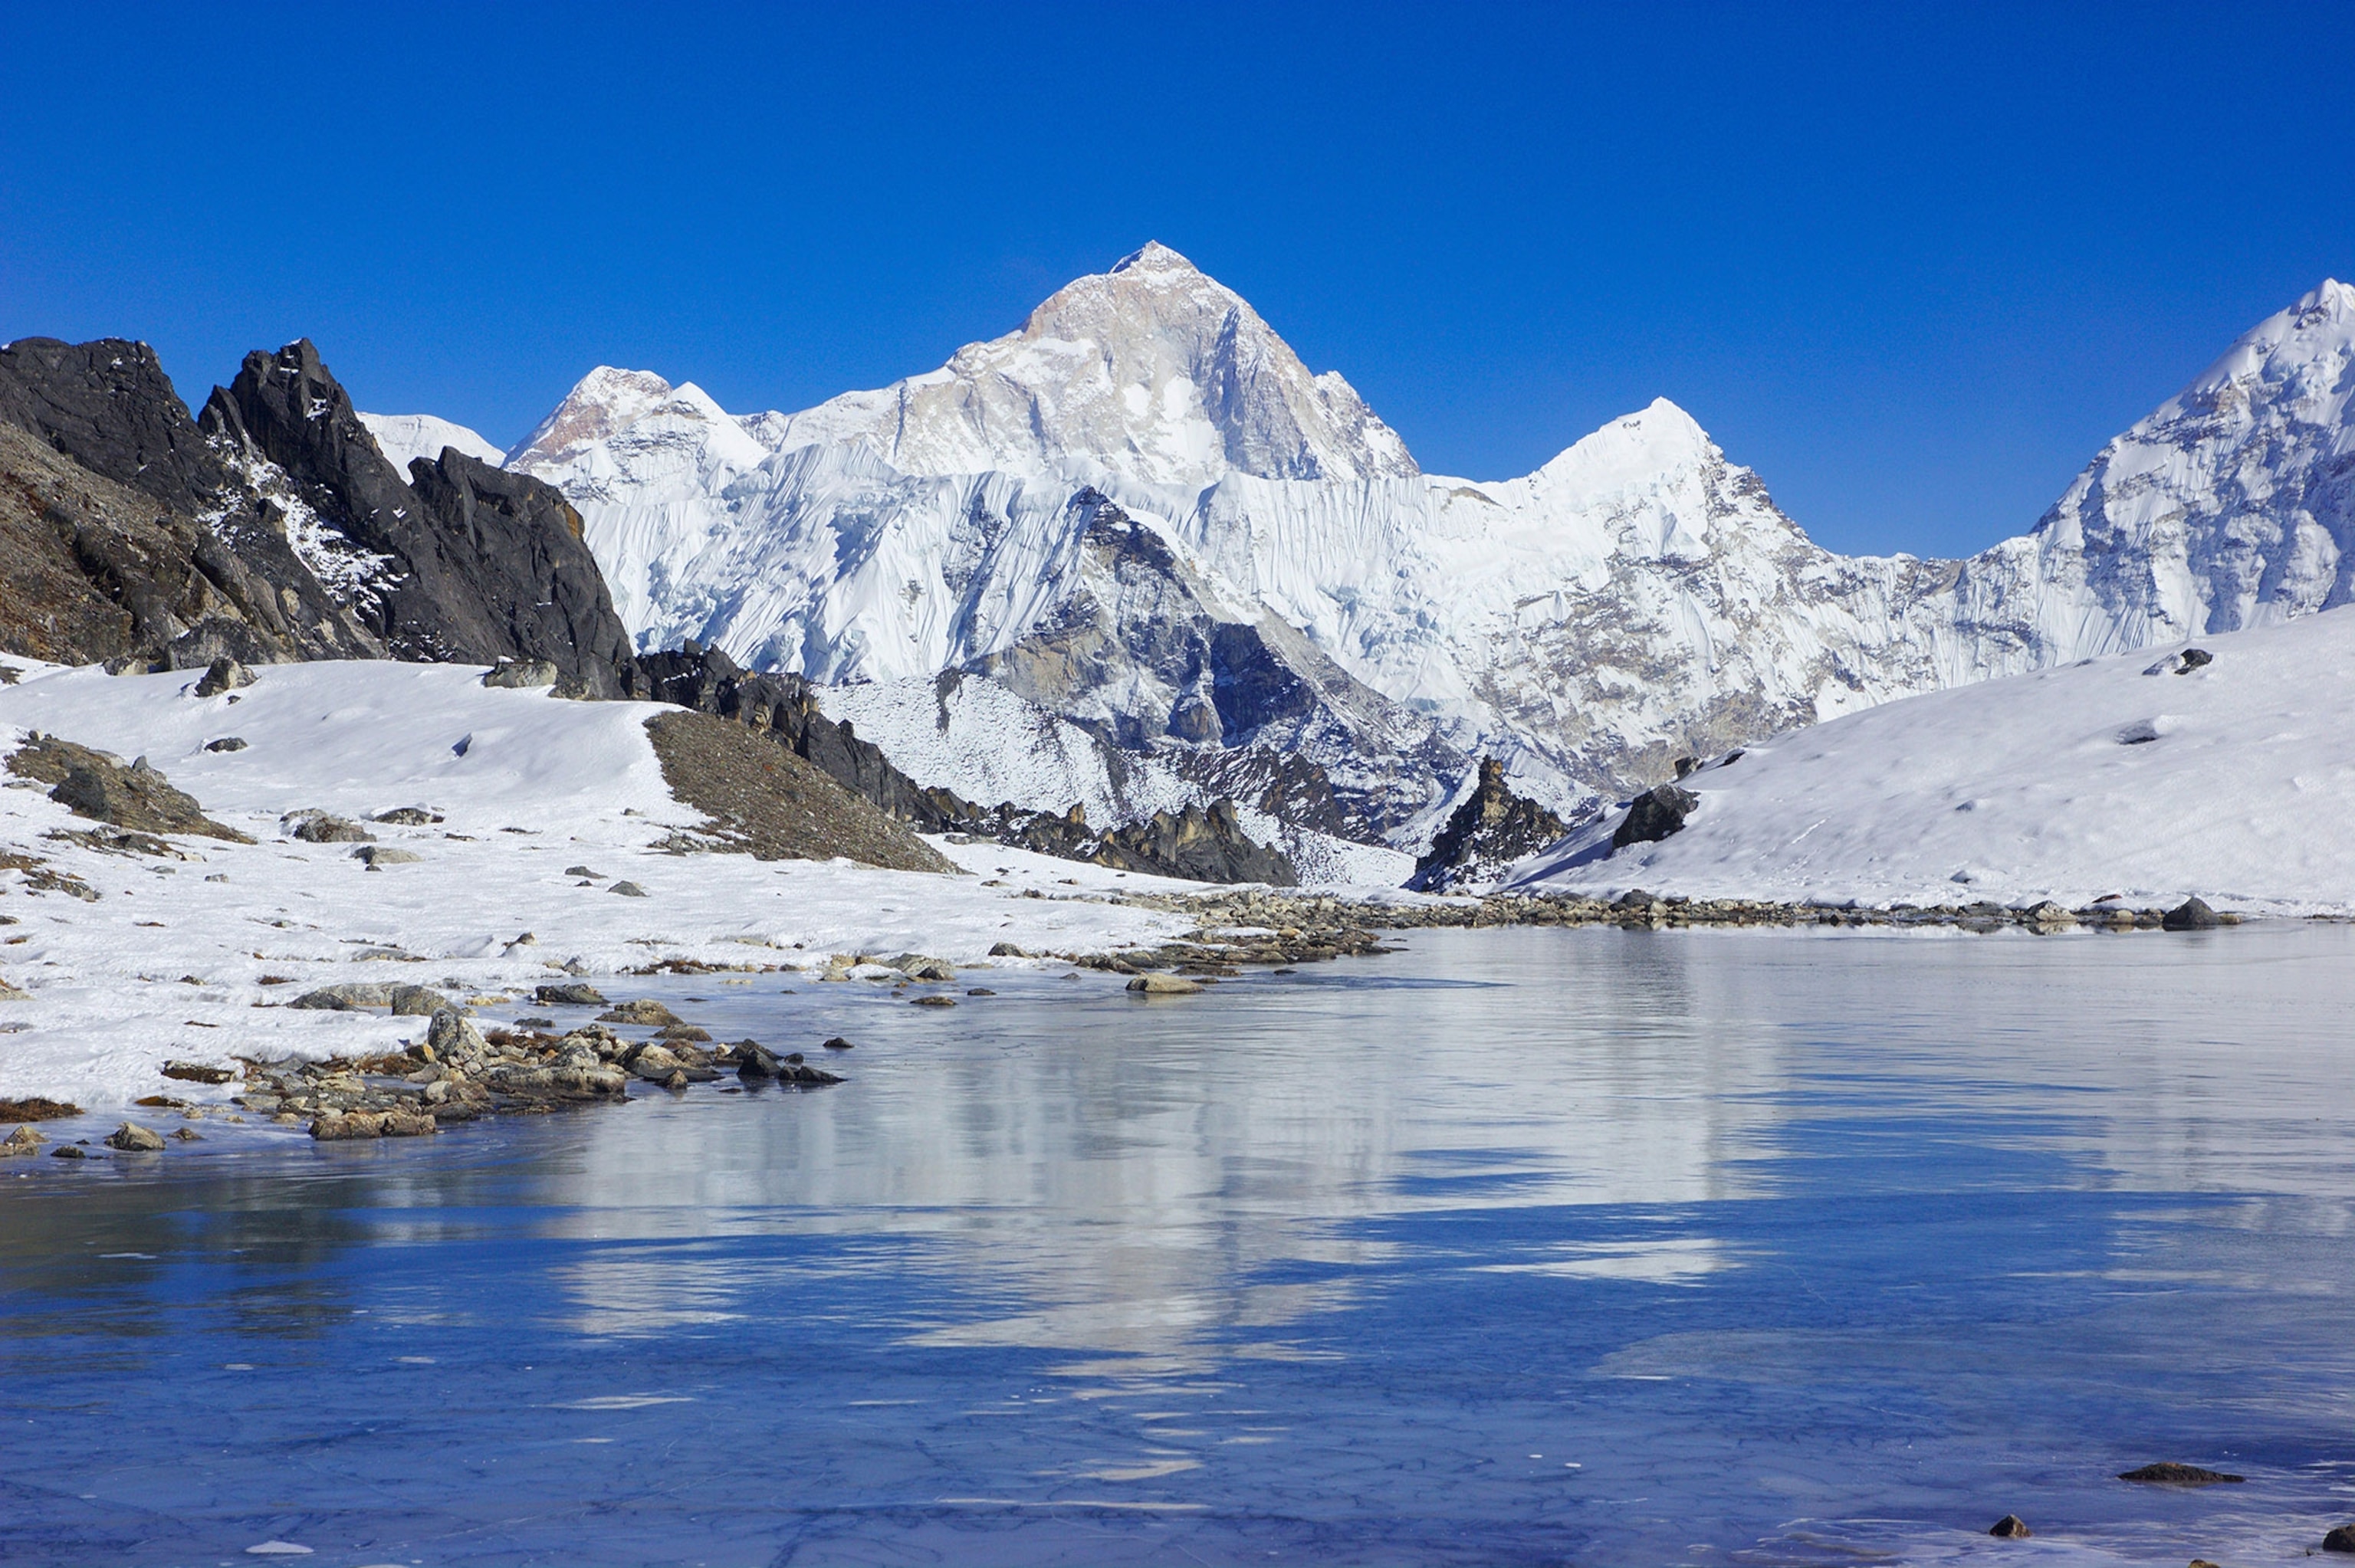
[[1518, 1246]]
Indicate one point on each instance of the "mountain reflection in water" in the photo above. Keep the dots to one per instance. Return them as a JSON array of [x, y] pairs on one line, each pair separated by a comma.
[[1519, 1246]]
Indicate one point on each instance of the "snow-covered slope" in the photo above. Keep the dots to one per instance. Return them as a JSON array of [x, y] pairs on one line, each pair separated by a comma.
[[1637, 599], [403, 437], [2128, 775], [541, 784]]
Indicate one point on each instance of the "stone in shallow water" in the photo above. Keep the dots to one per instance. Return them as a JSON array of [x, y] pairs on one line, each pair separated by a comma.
[[2167, 1473], [133, 1138], [1163, 985]]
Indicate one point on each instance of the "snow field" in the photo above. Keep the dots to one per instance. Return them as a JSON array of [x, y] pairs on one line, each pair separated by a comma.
[[529, 784], [2234, 782]]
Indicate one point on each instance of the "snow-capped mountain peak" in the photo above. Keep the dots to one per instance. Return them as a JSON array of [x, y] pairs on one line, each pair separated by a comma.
[[603, 403], [1153, 370], [2231, 505]]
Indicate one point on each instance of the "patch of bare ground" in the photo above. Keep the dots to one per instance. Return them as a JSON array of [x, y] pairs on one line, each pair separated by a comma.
[[768, 803]]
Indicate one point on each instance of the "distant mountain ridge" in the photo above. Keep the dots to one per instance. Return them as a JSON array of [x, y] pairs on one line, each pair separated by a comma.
[[1638, 598]]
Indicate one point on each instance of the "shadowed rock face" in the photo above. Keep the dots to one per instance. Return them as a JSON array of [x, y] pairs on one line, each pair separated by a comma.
[[470, 563], [271, 529], [124, 534]]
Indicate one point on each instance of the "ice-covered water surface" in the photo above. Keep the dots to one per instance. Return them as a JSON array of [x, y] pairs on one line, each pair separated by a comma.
[[1520, 1246]]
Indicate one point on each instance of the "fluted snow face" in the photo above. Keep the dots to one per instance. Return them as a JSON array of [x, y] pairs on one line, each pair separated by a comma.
[[2233, 505], [1152, 370], [1637, 599]]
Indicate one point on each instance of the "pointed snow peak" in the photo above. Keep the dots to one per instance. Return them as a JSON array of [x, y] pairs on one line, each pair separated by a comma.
[[1657, 440], [1154, 257], [2296, 360], [1154, 370], [601, 403]]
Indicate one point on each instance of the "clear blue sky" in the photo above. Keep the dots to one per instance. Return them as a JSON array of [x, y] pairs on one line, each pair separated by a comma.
[[1913, 263]]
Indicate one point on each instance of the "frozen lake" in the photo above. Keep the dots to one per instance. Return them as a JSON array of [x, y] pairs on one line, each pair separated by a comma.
[[1518, 1246]]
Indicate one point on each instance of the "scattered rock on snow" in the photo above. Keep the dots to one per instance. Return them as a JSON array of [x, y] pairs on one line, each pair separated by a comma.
[[227, 743], [386, 854], [408, 817], [2012, 1528], [198, 1073], [627, 890], [2340, 1539], [325, 828]]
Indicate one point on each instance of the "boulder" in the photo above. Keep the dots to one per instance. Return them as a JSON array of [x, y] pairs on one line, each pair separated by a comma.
[[1653, 815], [1006, 950], [644, 1011], [2340, 1539], [346, 997], [569, 994], [223, 674], [917, 966], [452, 1033], [408, 817], [520, 674], [2011, 1527], [22, 1141], [386, 854], [933, 1002], [655, 1064], [416, 1002], [627, 890], [227, 743], [134, 1139], [1163, 985], [325, 828], [837, 1043], [2191, 915]]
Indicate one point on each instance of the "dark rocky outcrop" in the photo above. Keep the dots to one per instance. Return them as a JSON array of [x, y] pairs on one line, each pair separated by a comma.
[[1201, 844], [271, 528], [125, 533], [2011, 1527], [453, 561], [1653, 815], [104, 789], [774, 805], [2342, 1539], [1491, 830]]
